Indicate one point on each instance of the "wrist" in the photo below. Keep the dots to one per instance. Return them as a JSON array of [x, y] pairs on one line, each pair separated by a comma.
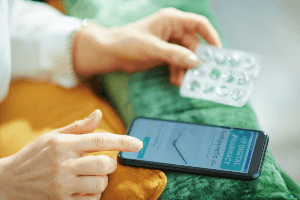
[[92, 51]]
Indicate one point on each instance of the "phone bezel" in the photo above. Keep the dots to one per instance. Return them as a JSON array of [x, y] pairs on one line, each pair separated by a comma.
[[254, 168]]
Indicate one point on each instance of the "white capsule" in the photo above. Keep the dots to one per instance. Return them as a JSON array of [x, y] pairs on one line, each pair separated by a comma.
[[215, 74], [220, 58], [250, 63], [206, 55], [235, 60], [208, 88], [222, 91], [228, 76], [243, 79], [194, 85], [237, 94]]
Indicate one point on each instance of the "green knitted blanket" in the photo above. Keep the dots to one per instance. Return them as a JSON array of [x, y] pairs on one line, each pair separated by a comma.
[[149, 94]]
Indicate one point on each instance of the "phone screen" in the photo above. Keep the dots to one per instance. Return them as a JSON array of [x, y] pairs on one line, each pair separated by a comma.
[[193, 145]]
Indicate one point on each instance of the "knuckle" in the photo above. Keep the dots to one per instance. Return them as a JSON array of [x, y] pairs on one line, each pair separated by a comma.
[[101, 184], [55, 143], [105, 182], [169, 55], [205, 19], [99, 166], [62, 185], [98, 185], [57, 185], [57, 169], [104, 165], [100, 141], [69, 166], [113, 166], [122, 142], [169, 12]]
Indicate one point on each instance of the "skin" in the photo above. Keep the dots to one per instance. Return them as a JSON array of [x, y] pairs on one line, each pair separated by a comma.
[[53, 166], [166, 37]]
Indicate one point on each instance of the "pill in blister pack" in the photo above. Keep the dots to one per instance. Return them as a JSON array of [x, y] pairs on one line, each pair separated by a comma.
[[223, 75]]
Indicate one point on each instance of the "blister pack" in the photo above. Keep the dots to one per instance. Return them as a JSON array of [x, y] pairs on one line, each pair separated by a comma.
[[223, 75]]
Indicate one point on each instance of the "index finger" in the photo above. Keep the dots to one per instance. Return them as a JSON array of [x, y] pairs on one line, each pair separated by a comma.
[[106, 142], [200, 24]]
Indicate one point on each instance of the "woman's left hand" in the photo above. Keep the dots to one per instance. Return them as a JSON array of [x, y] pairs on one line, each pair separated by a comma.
[[169, 37]]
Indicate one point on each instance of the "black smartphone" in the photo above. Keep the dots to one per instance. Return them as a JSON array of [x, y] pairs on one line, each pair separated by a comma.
[[195, 148]]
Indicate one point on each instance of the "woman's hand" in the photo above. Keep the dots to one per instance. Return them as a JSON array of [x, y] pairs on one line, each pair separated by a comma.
[[169, 36], [53, 167]]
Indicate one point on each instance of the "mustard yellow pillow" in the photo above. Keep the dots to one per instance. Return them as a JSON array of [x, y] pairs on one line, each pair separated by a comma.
[[32, 109]]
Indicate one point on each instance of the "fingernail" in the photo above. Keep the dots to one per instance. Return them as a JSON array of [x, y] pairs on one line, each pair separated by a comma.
[[92, 115], [191, 60], [137, 144]]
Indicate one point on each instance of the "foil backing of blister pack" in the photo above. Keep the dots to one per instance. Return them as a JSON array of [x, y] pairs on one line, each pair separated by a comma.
[[223, 75]]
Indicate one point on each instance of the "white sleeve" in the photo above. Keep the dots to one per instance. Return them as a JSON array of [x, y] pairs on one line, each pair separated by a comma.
[[40, 42], [5, 62]]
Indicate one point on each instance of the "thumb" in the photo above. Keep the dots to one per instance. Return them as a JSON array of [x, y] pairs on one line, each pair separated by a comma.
[[176, 55], [87, 125]]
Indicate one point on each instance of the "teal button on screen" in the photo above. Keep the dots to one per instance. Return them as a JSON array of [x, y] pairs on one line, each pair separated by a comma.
[[143, 150]]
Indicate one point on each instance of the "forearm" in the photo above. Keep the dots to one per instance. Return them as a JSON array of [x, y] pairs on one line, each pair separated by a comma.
[[93, 50]]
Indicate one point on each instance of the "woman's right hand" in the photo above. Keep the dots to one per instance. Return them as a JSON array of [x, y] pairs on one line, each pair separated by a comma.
[[54, 167]]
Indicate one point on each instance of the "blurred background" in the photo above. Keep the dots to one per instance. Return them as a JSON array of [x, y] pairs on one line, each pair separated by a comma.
[[272, 29]]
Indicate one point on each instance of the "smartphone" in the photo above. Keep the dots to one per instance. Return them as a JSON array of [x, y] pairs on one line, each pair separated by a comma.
[[195, 148]]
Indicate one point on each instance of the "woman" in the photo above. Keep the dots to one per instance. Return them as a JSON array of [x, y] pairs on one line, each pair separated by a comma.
[[40, 43]]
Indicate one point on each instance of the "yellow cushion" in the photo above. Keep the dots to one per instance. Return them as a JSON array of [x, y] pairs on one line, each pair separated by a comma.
[[32, 109]]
